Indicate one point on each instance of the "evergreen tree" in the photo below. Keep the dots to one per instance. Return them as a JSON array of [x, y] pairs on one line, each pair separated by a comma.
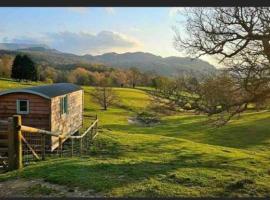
[[24, 68], [30, 71], [16, 71]]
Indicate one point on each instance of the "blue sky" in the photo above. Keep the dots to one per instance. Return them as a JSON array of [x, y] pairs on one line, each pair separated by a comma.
[[93, 30]]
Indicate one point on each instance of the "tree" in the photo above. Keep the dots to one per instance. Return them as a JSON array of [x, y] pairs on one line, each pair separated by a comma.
[[16, 72], [79, 76], [98, 78], [29, 69], [104, 96], [24, 68], [120, 78], [48, 74], [5, 66], [215, 94], [239, 38], [134, 76]]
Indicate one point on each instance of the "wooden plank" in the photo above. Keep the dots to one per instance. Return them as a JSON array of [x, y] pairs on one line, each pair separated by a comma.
[[3, 132], [81, 136], [4, 122], [36, 130], [95, 135], [13, 103], [3, 150]]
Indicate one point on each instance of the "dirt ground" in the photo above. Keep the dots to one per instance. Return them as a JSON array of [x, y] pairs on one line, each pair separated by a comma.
[[40, 188]]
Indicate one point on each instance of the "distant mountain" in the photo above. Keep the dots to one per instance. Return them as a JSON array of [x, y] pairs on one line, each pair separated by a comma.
[[168, 66], [15, 46], [149, 62]]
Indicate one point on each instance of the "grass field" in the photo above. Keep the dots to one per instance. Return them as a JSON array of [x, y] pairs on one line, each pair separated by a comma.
[[181, 156]]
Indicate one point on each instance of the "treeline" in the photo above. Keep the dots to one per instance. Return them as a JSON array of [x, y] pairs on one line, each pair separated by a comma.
[[23, 68]]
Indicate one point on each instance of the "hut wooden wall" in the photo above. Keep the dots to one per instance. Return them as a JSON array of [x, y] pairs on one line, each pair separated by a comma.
[[67, 123], [39, 109], [38, 117]]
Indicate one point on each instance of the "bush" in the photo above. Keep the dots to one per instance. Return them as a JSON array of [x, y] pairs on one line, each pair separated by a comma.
[[48, 80], [147, 118]]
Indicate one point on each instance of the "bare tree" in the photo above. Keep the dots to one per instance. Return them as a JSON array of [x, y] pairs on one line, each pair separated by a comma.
[[5, 66], [104, 96], [239, 38], [215, 94], [134, 76]]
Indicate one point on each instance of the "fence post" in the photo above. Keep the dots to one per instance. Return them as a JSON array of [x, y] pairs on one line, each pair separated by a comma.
[[43, 146], [15, 139]]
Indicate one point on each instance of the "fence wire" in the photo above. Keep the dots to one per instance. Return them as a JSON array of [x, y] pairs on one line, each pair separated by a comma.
[[73, 146]]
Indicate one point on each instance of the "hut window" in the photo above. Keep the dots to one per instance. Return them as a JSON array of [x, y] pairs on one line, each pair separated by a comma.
[[64, 105], [22, 106]]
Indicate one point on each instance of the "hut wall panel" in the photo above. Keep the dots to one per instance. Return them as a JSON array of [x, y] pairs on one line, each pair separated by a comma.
[[39, 108], [70, 122], [39, 112]]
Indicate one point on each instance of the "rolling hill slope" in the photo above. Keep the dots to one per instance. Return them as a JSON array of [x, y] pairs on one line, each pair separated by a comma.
[[144, 61], [182, 156]]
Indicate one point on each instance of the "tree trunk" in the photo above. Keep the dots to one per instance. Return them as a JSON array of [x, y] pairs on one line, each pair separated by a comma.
[[104, 99]]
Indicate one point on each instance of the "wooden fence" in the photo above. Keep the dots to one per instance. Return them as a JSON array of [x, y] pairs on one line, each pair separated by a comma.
[[16, 141]]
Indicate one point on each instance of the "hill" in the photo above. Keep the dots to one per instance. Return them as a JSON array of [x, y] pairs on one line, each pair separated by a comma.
[[168, 66], [181, 156], [16, 46]]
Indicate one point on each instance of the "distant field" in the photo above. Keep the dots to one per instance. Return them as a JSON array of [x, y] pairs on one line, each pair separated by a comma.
[[182, 156]]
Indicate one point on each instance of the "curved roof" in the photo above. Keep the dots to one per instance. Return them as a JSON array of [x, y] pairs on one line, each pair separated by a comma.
[[47, 91]]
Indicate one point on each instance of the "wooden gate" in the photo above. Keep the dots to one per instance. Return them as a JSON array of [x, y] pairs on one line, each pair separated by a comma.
[[15, 146]]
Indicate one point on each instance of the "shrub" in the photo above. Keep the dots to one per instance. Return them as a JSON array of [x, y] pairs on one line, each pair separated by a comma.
[[147, 118]]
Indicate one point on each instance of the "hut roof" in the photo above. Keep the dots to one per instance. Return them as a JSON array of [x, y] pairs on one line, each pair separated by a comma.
[[47, 91]]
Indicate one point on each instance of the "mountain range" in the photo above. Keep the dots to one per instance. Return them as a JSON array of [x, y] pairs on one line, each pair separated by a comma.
[[168, 66]]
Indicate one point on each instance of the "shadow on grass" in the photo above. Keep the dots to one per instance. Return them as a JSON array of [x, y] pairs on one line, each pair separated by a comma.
[[243, 133], [104, 177]]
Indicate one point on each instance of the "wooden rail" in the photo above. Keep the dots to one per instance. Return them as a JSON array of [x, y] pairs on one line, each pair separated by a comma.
[[39, 131], [87, 131], [15, 140], [81, 137]]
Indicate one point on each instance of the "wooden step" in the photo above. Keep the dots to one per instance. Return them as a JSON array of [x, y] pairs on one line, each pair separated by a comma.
[[3, 142], [3, 150]]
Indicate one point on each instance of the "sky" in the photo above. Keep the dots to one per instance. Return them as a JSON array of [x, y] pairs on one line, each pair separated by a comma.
[[94, 31]]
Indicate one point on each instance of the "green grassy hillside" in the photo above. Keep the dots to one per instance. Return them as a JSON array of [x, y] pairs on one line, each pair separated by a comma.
[[181, 156]]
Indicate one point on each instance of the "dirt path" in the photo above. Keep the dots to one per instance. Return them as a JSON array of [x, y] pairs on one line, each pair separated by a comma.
[[40, 188]]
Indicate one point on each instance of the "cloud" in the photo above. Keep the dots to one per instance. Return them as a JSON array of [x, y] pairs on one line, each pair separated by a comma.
[[135, 29], [84, 42], [110, 10], [175, 10], [80, 10]]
